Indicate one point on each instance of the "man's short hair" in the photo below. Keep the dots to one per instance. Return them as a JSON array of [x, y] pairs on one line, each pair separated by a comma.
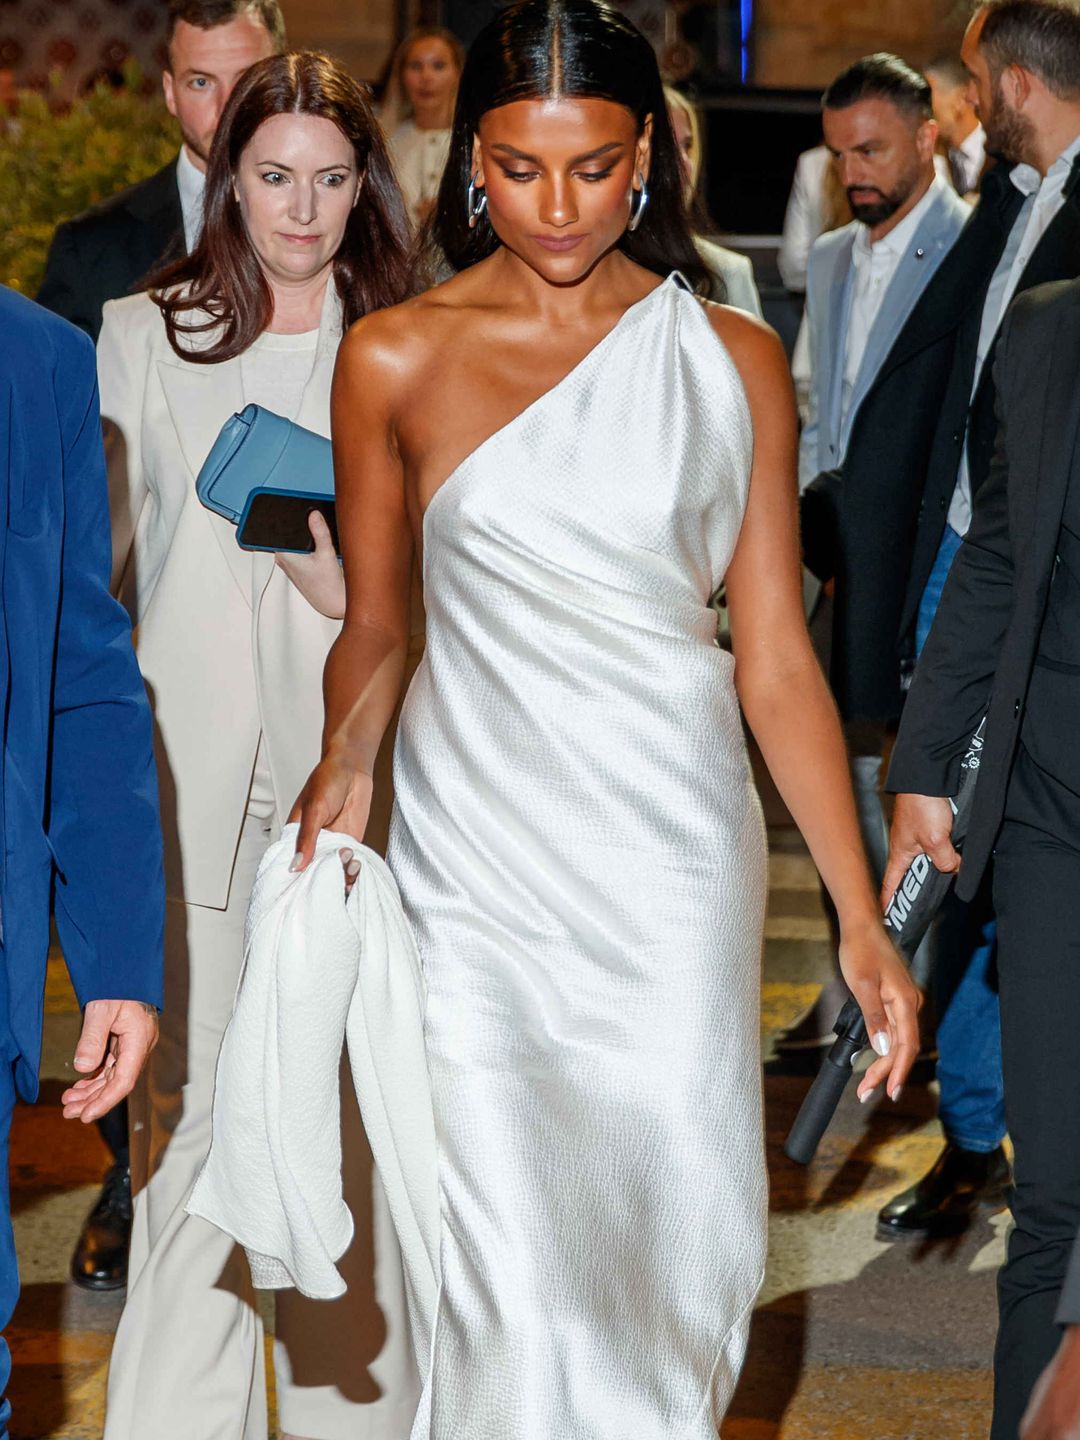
[[206, 14], [881, 77], [951, 70], [1042, 36]]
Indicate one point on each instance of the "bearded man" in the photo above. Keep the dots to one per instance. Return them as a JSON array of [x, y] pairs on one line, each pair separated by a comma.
[[919, 451]]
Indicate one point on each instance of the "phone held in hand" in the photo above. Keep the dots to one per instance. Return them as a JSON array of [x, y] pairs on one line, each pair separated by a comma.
[[277, 520]]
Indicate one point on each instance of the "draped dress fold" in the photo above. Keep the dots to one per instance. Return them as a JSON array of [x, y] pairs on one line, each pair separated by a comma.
[[580, 850]]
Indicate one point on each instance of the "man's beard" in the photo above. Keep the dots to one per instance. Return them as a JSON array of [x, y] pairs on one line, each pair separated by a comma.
[[1008, 133], [878, 211]]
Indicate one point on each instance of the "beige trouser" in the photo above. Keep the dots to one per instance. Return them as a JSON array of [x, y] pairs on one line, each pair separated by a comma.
[[188, 1361]]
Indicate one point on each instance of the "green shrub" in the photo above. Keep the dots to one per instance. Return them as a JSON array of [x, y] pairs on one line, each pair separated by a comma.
[[56, 162]]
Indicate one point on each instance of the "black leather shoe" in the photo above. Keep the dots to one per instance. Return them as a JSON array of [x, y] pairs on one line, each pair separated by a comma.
[[100, 1261], [943, 1202]]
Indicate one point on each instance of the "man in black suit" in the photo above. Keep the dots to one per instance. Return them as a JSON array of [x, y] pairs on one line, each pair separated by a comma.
[[919, 450], [107, 251], [102, 255], [1006, 643]]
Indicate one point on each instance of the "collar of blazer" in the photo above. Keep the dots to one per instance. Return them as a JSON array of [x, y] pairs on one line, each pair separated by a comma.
[[937, 233], [962, 278], [201, 398]]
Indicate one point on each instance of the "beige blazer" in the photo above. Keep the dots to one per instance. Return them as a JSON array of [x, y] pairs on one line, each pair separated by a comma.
[[229, 648]]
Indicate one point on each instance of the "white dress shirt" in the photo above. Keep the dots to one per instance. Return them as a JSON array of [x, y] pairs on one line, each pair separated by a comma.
[[874, 265], [1043, 199], [191, 182], [967, 160]]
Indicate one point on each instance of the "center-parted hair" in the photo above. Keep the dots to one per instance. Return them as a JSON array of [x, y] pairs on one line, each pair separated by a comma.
[[581, 49], [881, 77], [219, 290]]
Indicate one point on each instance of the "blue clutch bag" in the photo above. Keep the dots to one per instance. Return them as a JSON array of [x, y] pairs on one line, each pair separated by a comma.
[[258, 450]]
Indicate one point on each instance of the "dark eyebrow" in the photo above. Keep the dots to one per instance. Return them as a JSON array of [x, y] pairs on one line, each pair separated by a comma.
[[577, 160], [344, 165]]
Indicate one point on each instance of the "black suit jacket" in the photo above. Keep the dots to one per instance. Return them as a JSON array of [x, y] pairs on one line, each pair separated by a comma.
[[900, 469], [982, 648], [107, 251]]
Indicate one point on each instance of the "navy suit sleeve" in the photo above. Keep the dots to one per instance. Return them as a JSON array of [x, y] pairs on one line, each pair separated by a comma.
[[64, 287], [955, 673], [104, 824]]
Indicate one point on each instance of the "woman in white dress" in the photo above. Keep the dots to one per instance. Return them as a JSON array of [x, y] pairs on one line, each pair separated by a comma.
[[581, 450], [304, 232], [416, 113]]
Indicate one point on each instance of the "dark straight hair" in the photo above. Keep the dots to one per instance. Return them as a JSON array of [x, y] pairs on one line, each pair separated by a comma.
[[541, 49], [881, 77], [220, 286]]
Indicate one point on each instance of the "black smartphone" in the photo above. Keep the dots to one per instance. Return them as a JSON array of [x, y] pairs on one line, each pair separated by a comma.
[[278, 520]]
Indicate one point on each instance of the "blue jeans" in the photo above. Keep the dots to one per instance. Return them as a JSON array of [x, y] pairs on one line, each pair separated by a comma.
[[964, 941]]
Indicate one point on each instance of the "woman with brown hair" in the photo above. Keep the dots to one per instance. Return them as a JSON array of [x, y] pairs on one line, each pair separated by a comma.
[[417, 112], [731, 274], [304, 232]]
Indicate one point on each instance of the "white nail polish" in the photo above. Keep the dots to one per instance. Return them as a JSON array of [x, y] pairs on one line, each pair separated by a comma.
[[881, 1042], [295, 864], [865, 1096]]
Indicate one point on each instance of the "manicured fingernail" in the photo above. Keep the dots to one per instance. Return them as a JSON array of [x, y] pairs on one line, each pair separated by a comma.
[[881, 1042], [346, 855], [352, 869], [297, 861], [897, 1092], [864, 1096]]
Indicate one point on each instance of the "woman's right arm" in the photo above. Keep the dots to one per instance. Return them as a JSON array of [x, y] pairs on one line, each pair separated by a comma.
[[366, 666]]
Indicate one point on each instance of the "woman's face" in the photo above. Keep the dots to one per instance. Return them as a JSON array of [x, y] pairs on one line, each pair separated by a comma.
[[430, 75], [559, 176], [684, 145], [296, 183]]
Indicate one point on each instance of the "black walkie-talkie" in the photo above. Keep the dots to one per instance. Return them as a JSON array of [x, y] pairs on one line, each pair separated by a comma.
[[907, 916]]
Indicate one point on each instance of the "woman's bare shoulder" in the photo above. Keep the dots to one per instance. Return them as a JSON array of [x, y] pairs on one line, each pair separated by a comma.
[[753, 345], [403, 344]]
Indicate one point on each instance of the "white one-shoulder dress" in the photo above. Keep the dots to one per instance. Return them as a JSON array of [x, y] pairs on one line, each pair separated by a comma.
[[580, 850]]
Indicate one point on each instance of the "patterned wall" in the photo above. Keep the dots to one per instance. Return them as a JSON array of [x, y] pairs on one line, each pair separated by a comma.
[[82, 38]]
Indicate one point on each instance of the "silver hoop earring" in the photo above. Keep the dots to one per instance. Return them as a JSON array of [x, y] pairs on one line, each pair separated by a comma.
[[636, 211], [475, 208]]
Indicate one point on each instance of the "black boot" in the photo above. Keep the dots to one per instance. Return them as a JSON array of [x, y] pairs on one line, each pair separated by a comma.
[[100, 1261], [945, 1199]]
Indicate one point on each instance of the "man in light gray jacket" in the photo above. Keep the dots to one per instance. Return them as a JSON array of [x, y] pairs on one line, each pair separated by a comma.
[[862, 283]]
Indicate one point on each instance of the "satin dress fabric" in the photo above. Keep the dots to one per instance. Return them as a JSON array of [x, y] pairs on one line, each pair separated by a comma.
[[580, 850]]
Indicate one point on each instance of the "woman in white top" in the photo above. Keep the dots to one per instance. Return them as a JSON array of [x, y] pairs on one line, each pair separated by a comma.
[[304, 232], [417, 112], [732, 274]]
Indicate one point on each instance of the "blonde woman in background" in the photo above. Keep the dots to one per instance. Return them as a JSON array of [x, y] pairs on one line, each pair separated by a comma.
[[732, 274], [417, 112]]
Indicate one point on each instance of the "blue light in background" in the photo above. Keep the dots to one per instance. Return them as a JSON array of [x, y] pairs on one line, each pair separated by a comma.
[[746, 20]]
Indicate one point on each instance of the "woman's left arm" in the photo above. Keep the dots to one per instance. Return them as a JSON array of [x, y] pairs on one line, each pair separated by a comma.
[[789, 709]]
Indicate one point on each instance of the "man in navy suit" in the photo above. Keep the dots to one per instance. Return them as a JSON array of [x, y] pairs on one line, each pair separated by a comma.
[[78, 790]]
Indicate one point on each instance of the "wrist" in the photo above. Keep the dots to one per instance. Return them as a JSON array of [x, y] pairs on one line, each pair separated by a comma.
[[859, 923], [348, 755]]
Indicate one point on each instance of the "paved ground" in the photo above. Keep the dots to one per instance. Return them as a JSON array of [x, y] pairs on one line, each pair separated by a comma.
[[852, 1339]]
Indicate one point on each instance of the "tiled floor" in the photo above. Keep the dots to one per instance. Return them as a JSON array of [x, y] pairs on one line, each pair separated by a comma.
[[852, 1339]]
